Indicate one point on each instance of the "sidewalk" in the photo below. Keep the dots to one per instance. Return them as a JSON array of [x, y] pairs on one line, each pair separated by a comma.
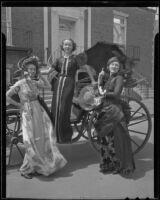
[[150, 105]]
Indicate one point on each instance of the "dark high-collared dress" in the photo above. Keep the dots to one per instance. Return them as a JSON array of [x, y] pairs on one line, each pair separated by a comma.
[[111, 126], [63, 91]]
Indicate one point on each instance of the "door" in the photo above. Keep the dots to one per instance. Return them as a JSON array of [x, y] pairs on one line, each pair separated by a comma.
[[66, 28]]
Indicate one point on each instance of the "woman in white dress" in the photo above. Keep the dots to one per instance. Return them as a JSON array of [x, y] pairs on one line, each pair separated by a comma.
[[42, 155]]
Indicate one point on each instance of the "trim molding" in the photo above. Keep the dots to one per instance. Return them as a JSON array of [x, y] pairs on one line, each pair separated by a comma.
[[45, 26], [120, 13], [89, 27]]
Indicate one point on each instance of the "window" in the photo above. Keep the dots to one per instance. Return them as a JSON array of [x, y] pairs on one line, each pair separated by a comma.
[[119, 29]]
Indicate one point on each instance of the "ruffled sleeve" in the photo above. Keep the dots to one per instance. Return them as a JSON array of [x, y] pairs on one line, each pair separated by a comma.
[[16, 87]]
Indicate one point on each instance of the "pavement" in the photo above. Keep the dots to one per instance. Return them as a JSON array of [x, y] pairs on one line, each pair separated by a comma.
[[81, 179], [149, 104]]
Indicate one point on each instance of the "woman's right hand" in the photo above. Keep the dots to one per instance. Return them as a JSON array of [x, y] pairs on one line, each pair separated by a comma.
[[52, 75], [101, 91]]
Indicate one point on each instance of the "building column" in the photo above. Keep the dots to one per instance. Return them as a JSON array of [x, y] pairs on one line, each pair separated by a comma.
[[54, 31], [9, 26], [45, 33], [89, 27], [80, 32]]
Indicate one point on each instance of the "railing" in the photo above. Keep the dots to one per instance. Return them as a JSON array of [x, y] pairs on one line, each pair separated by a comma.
[[143, 85], [131, 51]]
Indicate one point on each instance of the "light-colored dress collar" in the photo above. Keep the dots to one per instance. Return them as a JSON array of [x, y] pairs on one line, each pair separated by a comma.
[[67, 56]]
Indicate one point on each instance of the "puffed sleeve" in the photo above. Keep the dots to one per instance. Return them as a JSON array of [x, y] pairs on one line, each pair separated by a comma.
[[16, 87], [117, 88], [81, 60]]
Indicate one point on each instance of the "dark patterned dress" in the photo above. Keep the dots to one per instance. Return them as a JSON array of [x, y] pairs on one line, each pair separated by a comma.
[[63, 90], [111, 126]]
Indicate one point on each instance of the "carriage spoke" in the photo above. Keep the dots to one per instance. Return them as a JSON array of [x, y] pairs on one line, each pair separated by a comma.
[[135, 143], [75, 125], [137, 132], [15, 125], [139, 117], [135, 112], [137, 122]]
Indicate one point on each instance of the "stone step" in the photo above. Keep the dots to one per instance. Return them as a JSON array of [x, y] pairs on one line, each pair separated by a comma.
[[48, 97], [48, 101]]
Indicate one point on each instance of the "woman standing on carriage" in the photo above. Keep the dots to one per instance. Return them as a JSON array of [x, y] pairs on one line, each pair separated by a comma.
[[41, 156], [62, 78], [111, 126]]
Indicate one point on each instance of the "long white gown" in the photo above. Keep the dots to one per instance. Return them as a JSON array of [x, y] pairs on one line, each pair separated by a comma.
[[42, 155]]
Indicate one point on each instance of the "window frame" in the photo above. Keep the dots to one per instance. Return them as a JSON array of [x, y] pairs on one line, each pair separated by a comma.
[[120, 16], [9, 26]]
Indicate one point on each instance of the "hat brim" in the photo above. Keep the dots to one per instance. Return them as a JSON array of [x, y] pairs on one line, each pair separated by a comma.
[[17, 73]]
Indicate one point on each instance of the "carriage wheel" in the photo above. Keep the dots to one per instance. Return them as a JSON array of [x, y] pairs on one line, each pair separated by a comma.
[[85, 125], [139, 127], [80, 128], [92, 134], [76, 131], [13, 125], [140, 124]]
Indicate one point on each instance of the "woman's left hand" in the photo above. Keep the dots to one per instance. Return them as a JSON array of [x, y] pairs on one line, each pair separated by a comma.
[[94, 83]]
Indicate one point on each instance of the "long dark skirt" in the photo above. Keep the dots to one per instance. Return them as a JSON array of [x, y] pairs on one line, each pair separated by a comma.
[[116, 150], [61, 108]]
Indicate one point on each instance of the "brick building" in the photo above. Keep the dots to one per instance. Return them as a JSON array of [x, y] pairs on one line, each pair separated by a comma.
[[43, 28]]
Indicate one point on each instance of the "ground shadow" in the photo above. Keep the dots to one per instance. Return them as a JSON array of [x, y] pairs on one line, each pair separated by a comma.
[[79, 157], [144, 161]]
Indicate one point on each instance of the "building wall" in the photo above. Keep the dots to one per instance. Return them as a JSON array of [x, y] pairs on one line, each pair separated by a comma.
[[3, 18], [101, 25], [29, 19], [140, 33], [140, 26], [140, 29]]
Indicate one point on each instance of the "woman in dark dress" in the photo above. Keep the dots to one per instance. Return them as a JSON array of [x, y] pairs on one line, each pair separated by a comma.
[[62, 78], [111, 126]]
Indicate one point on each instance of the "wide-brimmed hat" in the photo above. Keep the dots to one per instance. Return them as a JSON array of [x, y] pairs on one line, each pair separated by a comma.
[[27, 60], [18, 73], [113, 59]]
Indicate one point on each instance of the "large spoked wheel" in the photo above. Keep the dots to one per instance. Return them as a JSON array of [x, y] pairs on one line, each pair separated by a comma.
[[13, 125], [139, 127], [140, 124], [92, 134]]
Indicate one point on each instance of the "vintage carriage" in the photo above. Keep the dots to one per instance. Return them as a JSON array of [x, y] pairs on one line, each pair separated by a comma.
[[83, 117]]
